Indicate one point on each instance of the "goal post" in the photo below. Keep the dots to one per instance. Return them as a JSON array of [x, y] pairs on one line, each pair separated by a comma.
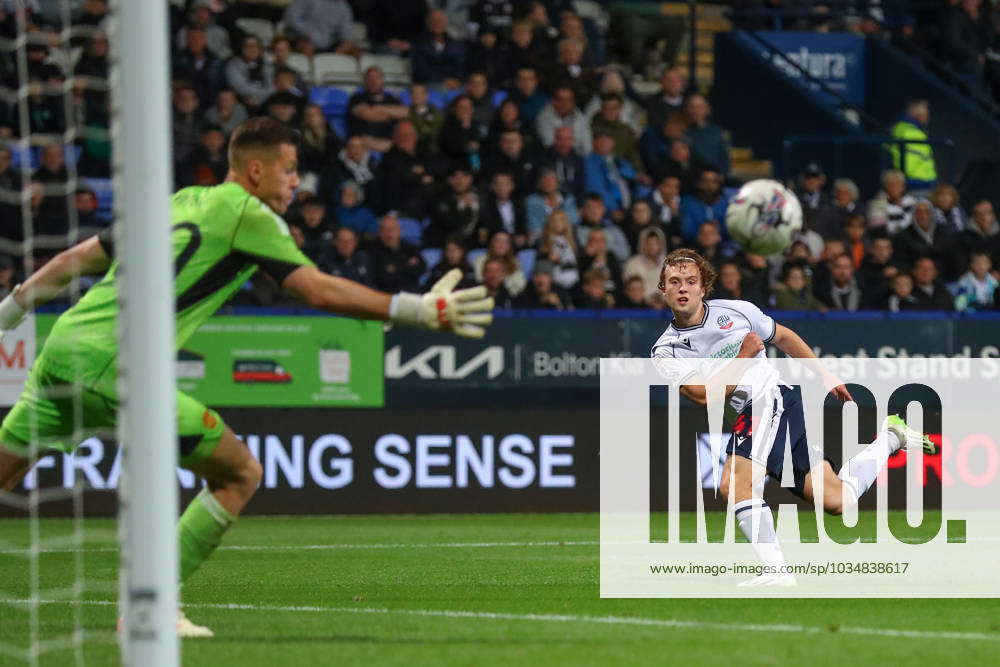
[[147, 428]]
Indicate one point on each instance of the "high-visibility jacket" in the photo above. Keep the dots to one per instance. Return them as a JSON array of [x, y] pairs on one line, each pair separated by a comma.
[[918, 164]]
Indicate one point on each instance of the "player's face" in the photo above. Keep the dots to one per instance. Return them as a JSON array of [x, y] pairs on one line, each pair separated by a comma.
[[682, 289], [279, 178]]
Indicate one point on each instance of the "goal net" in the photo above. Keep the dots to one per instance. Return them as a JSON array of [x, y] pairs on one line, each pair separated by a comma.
[[84, 147]]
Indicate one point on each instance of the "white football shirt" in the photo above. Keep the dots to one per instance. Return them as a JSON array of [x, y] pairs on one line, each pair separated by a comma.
[[706, 348]]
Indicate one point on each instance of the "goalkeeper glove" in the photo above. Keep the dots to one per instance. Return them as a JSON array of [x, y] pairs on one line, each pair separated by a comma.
[[465, 312], [11, 314]]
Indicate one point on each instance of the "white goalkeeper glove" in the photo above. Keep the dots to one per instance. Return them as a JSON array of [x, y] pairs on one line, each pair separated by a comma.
[[466, 312], [11, 314]]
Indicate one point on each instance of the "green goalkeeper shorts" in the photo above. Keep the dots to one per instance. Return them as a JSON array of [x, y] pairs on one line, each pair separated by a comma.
[[58, 415]]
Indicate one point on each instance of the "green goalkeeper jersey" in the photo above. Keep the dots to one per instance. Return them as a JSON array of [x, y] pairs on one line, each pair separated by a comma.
[[220, 236]]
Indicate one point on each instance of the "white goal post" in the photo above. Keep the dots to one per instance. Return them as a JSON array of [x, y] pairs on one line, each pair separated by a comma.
[[147, 425]]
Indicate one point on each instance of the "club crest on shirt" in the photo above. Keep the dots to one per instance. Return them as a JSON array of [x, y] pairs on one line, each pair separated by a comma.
[[724, 322]]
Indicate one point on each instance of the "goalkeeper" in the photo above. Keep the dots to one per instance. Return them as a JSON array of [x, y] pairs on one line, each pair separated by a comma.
[[220, 236]]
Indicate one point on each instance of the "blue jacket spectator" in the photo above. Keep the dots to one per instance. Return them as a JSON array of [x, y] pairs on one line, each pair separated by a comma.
[[706, 205], [436, 57], [530, 98], [707, 141], [344, 259], [353, 214], [609, 176], [655, 140], [540, 205]]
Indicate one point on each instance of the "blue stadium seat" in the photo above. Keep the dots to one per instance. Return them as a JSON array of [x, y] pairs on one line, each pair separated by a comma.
[[526, 258], [402, 94], [333, 102], [105, 196], [413, 231], [473, 255], [19, 156], [431, 256], [498, 98], [436, 99]]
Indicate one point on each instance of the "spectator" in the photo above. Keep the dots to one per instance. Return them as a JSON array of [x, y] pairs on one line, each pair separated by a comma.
[[707, 204], [707, 141], [708, 243], [655, 144], [453, 257], [406, 178], [353, 214], [613, 83], [524, 51], [393, 26], [10, 212], [558, 250], [195, 64], [284, 107], [8, 276], [316, 229], [501, 249], [947, 210], [354, 163], [844, 293], [489, 56], [438, 60], [494, 16], [915, 160], [398, 264], [593, 294], [845, 204], [327, 23], [563, 112], [648, 262], [892, 207], [568, 164], [280, 54], [730, 282], [817, 208], [878, 269], [570, 73], [640, 217], [902, 297], [547, 200], [925, 238], [513, 158], [87, 219], [426, 118], [456, 212], [187, 124], [372, 112], [665, 205], [930, 293], [209, 163], [462, 135], [541, 294], [507, 119], [669, 100], [613, 178], [320, 144], [571, 27], [202, 17], [528, 95], [854, 239], [596, 257], [228, 111], [250, 75], [344, 259], [682, 165], [966, 37], [608, 121], [51, 216], [286, 83], [478, 90], [594, 216], [494, 277], [796, 294], [634, 296], [45, 112], [502, 212], [977, 288], [983, 231]]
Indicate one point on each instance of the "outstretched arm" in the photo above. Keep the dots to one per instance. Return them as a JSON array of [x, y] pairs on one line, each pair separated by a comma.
[[751, 346], [464, 312], [792, 344]]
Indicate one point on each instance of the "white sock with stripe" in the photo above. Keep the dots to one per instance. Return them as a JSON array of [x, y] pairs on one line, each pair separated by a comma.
[[861, 471], [757, 523]]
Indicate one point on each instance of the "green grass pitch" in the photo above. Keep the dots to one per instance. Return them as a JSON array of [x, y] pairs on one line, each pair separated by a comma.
[[465, 590]]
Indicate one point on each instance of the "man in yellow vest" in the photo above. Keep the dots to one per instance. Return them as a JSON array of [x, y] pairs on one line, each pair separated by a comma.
[[916, 160]]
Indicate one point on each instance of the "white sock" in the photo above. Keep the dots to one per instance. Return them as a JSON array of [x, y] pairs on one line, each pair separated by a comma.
[[860, 472], [757, 523]]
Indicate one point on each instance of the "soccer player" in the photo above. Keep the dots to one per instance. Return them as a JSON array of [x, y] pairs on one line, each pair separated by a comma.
[[220, 236], [722, 328]]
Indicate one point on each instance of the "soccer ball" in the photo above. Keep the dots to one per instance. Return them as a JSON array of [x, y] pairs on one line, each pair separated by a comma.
[[764, 217]]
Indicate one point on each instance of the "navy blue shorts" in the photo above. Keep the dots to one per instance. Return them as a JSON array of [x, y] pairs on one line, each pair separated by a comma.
[[765, 442]]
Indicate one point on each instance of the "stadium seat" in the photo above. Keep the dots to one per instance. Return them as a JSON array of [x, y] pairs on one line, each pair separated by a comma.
[[301, 64], [413, 231], [526, 258], [473, 255], [395, 69], [105, 196], [336, 68], [590, 9], [431, 256], [18, 156], [498, 98], [436, 98], [333, 102], [359, 35], [261, 28]]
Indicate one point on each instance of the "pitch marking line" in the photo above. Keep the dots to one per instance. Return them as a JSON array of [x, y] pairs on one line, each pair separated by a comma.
[[568, 618], [325, 547]]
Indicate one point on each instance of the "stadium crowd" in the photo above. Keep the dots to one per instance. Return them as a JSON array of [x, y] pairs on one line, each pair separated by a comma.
[[516, 151]]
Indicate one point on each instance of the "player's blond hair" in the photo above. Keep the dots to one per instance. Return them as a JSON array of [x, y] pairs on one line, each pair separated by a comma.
[[682, 255]]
